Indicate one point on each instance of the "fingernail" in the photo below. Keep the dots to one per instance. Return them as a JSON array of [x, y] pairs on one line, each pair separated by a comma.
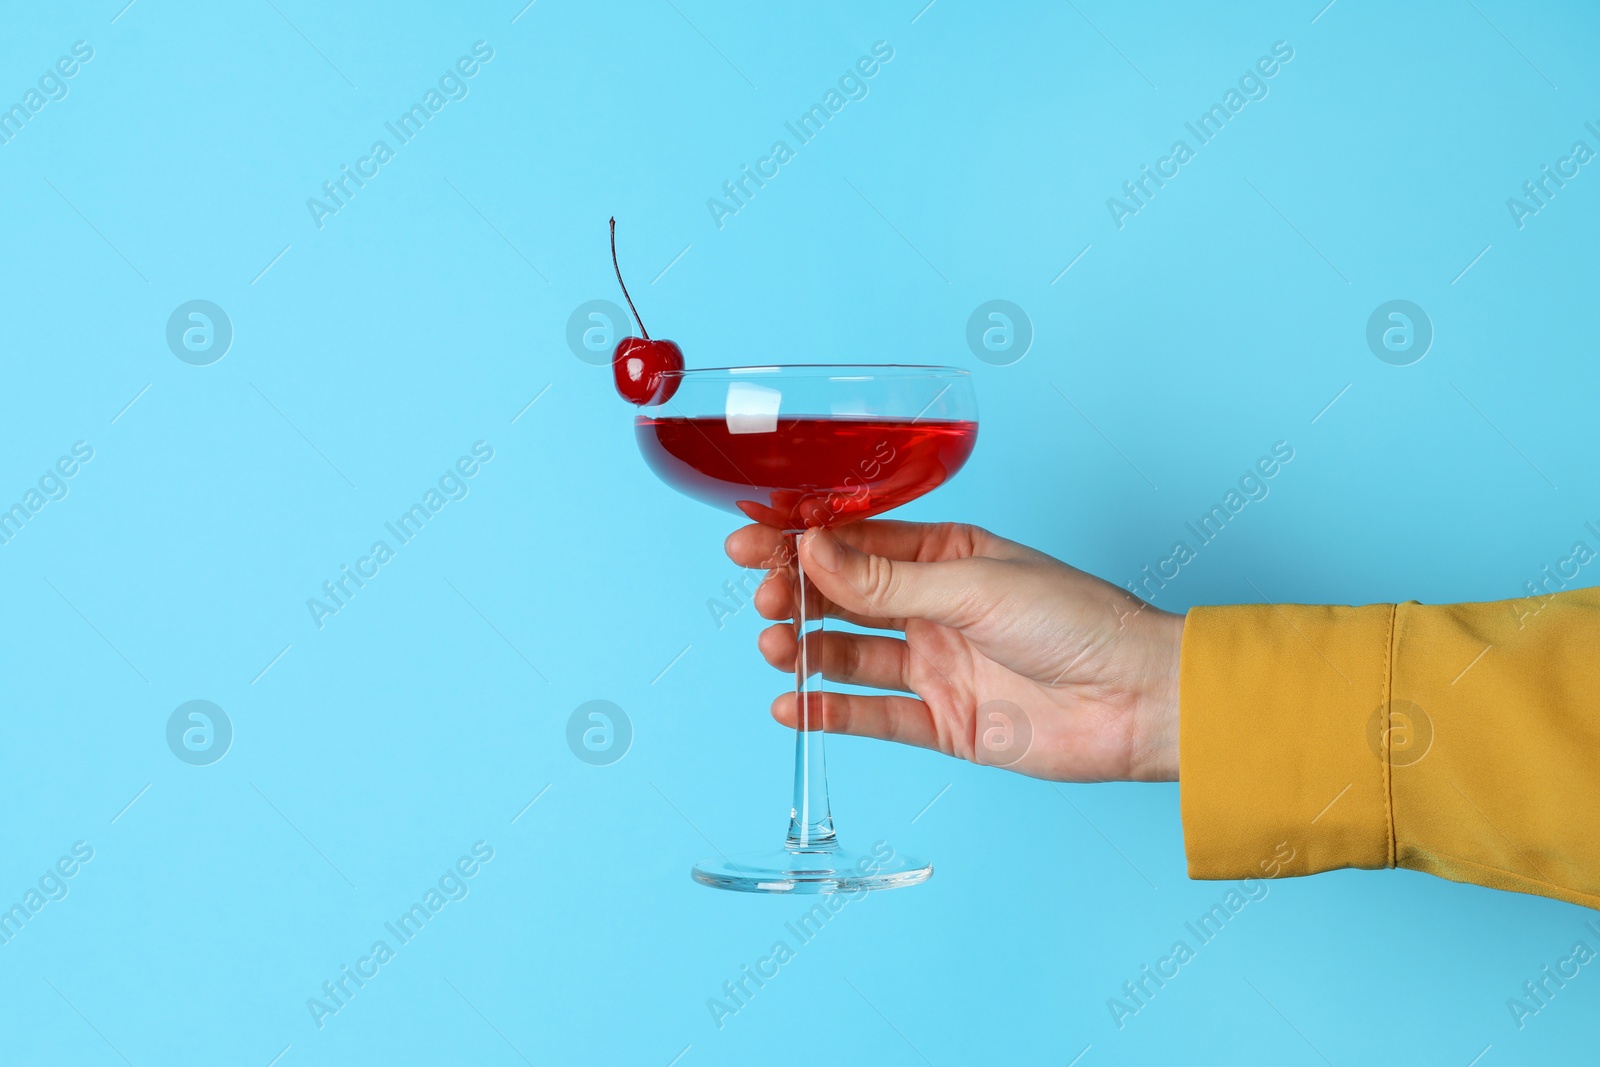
[[825, 551]]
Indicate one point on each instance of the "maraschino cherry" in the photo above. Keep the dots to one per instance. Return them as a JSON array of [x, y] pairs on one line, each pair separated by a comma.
[[639, 362]]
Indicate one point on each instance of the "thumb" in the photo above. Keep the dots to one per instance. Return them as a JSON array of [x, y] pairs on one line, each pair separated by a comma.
[[945, 592]]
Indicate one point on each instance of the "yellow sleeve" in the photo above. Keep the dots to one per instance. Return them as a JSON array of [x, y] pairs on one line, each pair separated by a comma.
[[1462, 740]]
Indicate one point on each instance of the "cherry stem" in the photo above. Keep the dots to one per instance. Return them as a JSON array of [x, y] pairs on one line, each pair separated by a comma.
[[624, 284]]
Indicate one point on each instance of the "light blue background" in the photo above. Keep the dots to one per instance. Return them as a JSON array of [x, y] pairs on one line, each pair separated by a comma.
[[427, 314]]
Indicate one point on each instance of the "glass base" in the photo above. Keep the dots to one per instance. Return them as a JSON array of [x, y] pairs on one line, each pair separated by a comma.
[[815, 869]]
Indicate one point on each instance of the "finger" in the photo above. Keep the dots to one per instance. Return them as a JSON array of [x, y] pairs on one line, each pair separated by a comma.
[[923, 542], [756, 546], [888, 718], [855, 659], [951, 592], [926, 542], [774, 599], [777, 646]]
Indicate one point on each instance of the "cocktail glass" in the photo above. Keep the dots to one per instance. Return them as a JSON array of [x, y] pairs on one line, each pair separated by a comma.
[[796, 447]]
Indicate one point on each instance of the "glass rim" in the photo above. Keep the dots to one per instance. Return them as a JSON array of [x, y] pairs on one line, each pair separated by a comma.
[[899, 371]]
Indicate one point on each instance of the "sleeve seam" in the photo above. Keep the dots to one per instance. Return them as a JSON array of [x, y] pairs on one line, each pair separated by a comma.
[[1388, 716]]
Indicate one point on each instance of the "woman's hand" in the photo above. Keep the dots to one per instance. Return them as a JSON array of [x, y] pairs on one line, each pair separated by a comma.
[[993, 632]]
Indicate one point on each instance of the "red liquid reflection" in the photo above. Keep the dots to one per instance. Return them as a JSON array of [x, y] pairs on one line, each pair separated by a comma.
[[813, 471]]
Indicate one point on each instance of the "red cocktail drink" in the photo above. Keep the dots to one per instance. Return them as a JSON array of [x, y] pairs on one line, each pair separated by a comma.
[[805, 471]]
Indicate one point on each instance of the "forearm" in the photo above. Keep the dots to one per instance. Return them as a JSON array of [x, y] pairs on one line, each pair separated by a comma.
[[1462, 740]]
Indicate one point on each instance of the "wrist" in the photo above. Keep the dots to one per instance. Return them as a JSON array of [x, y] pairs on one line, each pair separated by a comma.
[[1155, 754]]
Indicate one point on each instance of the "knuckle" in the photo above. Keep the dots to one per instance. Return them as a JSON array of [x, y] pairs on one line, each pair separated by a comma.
[[954, 743], [836, 715], [956, 540], [880, 580], [846, 658]]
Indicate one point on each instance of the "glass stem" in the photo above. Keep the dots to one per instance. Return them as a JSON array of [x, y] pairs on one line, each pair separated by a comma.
[[810, 821]]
